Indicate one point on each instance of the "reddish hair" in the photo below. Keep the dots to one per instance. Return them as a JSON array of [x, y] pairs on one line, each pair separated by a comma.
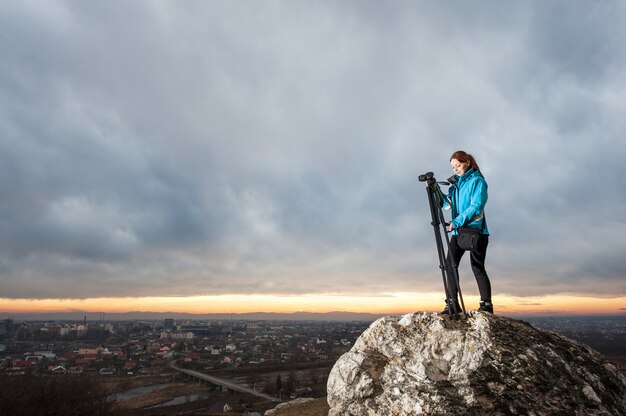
[[464, 157]]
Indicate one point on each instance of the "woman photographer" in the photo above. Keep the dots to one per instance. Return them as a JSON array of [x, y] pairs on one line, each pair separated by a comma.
[[467, 198]]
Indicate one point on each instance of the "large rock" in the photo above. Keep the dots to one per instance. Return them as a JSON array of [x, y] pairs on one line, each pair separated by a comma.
[[423, 363]]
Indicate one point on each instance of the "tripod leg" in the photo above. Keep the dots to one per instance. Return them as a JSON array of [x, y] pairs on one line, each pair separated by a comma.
[[452, 270], [456, 276], [446, 282]]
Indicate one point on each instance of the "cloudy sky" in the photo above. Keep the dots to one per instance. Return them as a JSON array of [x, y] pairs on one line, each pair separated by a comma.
[[155, 148]]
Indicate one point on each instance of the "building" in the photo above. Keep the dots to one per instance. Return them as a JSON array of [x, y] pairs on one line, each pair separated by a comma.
[[49, 355], [107, 371], [9, 326], [58, 370], [177, 335]]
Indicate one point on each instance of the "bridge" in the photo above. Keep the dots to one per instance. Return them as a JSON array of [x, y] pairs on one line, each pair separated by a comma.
[[222, 382]]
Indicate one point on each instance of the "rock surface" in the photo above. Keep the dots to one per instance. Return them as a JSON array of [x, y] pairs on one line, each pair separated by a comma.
[[423, 363], [300, 407]]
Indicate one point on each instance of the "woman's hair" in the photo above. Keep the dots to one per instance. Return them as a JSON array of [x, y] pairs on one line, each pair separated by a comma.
[[464, 157]]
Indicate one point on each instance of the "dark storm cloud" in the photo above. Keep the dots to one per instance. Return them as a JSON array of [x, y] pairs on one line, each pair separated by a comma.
[[228, 147]]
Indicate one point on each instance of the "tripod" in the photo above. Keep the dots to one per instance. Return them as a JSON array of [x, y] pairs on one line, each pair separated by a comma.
[[449, 271]]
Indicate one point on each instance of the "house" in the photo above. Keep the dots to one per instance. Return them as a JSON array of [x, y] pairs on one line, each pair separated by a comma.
[[75, 370], [164, 349], [169, 344], [58, 370], [49, 355], [130, 367], [91, 350], [22, 364], [113, 352], [16, 371], [117, 351], [230, 359]]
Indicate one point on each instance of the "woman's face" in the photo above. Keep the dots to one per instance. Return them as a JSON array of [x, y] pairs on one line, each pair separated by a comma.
[[459, 167]]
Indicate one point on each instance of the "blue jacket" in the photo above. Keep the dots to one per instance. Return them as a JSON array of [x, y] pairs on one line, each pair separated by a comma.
[[469, 196]]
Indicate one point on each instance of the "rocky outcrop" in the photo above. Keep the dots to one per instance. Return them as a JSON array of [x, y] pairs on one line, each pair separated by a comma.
[[424, 363]]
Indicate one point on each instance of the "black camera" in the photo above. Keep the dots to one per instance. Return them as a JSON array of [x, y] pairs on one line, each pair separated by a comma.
[[425, 177]]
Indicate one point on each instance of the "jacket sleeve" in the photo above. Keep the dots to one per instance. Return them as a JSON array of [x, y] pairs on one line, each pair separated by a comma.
[[446, 200], [478, 199]]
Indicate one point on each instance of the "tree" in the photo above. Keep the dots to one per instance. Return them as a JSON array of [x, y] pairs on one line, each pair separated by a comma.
[[54, 396], [290, 387], [279, 384]]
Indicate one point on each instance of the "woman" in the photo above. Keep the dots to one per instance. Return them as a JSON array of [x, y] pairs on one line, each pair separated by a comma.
[[467, 198]]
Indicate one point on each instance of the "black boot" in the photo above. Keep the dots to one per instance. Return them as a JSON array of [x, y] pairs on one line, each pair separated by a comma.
[[455, 310], [485, 306]]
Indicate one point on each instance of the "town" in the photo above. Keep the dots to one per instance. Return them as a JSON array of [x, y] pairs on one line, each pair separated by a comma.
[[145, 365], [283, 359]]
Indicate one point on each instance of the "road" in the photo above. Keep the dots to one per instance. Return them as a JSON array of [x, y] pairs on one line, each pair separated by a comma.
[[222, 382]]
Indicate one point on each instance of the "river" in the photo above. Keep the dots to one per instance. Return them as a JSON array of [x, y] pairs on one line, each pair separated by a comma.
[[183, 399], [138, 391]]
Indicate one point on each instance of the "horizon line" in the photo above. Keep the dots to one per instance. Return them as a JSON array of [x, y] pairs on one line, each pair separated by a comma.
[[346, 314], [391, 303]]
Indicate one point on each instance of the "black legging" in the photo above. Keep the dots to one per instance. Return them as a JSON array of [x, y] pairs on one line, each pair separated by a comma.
[[477, 260]]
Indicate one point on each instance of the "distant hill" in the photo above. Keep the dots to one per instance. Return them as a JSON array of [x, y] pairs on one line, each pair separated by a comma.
[[336, 316]]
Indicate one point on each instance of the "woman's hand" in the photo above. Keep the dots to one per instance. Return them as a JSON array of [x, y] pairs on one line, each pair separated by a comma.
[[451, 227]]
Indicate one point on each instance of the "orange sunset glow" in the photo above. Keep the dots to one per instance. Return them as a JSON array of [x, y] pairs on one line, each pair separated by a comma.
[[390, 303]]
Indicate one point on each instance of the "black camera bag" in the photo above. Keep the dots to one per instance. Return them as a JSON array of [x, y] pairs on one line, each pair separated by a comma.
[[468, 238]]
